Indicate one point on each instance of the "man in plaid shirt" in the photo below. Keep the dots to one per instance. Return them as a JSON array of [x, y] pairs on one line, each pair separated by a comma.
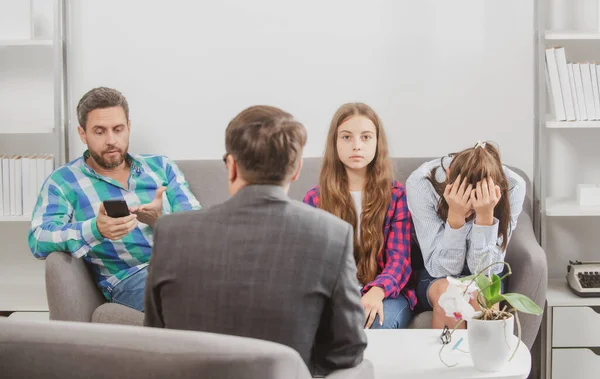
[[69, 215]]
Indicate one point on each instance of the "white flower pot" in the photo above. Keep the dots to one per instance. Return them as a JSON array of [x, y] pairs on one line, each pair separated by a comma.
[[491, 342]]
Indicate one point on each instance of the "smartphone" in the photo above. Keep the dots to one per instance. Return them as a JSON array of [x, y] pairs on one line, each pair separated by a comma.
[[116, 208]]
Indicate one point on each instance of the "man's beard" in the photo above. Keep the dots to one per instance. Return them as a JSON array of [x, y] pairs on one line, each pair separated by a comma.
[[109, 163]]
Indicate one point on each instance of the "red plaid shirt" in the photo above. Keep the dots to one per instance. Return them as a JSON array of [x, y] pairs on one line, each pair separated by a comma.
[[394, 260]]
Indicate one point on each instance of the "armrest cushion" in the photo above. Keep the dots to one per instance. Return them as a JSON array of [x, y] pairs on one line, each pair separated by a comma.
[[530, 274], [71, 291]]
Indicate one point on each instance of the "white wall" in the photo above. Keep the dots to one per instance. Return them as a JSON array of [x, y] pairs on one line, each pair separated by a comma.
[[441, 74]]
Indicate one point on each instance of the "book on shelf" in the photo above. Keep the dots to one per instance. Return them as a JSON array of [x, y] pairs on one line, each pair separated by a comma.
[[573, 91], [21, 179], [5, 185], [573, 87], [579, 89], [555, 90], [565, 84], [588, 92]]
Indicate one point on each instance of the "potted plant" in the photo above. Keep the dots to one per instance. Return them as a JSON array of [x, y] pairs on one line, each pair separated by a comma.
[[489, 329]]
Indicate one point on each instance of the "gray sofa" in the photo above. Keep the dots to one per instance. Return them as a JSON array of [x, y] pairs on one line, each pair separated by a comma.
[[66, 350], [72, 295]]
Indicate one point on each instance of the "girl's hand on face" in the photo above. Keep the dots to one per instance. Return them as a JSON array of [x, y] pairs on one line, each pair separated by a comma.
[[458, 197], [485, 196]]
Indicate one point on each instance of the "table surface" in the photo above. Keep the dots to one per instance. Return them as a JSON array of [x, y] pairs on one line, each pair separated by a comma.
[[414, 353]]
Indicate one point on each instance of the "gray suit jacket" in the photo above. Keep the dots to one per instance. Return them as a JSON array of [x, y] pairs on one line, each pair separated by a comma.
[[264, 266]]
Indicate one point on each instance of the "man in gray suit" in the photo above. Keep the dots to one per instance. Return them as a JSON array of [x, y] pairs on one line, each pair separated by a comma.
[[261, 265]]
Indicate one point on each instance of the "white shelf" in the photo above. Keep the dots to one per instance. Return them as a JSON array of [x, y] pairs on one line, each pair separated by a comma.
[[30, 316], [572, 124], [25, 42], [15, 218], [572, 35], [22, 291], [560, 295], [569, 207]]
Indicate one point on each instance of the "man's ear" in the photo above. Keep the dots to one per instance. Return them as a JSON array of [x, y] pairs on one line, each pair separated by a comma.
[[297, 173], [128, 125], [82, 135], [232, 172]]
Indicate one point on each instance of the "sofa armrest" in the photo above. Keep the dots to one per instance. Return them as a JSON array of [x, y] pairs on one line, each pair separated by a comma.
[[113, 313], [362, 371], [530, 274], [71, 292]]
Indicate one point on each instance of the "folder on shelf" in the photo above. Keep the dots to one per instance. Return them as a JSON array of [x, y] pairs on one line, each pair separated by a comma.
[[588, 91], [565, 84], [1, 191], [557, 98], [48, 165], [6, 185], [573, 91], [595, 90], [579, 87], [25, 184], [40, 172], [12, 185], [33, 189], [18, 185]]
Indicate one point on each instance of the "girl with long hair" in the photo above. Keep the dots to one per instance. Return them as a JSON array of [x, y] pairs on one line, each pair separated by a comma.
[[464, 207], [356, 185]]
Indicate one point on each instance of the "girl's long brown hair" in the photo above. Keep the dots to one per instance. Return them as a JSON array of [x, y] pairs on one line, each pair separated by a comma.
[[476, 164], [335, 193]]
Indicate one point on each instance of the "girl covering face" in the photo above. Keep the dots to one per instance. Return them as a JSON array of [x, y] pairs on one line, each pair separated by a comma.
[[356, 185], [464, 208]]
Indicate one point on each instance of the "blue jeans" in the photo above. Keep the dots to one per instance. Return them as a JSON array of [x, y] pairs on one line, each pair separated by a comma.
[[130, 292], [396, 314]]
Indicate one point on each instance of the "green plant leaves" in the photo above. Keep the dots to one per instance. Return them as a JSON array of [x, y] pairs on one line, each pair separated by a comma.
[[495, 288], [522, 303], [484, 284]]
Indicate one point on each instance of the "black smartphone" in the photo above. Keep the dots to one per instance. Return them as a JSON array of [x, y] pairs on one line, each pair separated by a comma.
[[116, 208]]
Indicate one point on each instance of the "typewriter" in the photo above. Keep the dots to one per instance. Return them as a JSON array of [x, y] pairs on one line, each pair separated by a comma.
[[584, 278]]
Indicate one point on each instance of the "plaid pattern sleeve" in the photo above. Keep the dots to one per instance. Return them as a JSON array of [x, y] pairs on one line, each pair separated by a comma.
[[394, 261], [312, 197], [178, 191], [52, 229]]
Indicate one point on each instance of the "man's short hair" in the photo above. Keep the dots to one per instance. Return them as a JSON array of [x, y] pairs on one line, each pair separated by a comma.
[[99, 98], [266, 143]]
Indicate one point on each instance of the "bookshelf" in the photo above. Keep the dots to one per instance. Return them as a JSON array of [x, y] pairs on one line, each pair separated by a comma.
[[567, 155], [32, 120]]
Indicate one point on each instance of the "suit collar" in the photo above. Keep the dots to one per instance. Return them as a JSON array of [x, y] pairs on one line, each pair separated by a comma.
[[259, 192]]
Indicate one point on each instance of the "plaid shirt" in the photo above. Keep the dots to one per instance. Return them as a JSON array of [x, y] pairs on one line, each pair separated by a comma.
[[394, 261], [64, 218]]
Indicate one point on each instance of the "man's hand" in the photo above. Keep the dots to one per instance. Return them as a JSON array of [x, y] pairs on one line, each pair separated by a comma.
[[458, 197], [114, 228], [149, 213], [372, 303], [485, 197]]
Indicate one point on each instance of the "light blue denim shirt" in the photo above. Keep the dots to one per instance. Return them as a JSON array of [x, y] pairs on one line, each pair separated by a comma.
[[446, 250]]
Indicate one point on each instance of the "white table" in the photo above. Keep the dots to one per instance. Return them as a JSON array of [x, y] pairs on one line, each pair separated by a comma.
[[413, 353]]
